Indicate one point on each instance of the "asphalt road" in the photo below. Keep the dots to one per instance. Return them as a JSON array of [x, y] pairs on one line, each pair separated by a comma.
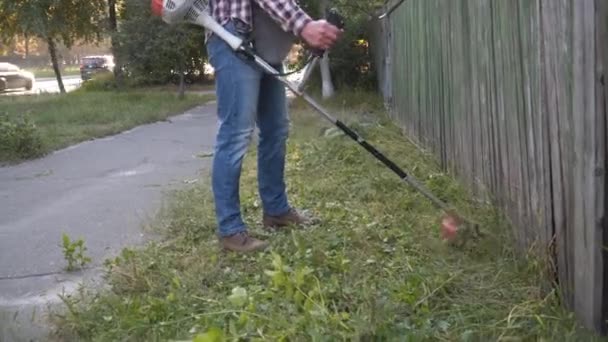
[[104, 191], [47, 85]]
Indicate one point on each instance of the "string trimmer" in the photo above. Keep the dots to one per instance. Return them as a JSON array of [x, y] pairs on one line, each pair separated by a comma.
[[196, 12]]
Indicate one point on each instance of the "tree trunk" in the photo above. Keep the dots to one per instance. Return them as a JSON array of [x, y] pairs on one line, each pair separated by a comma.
[[113, 23], [112, 15], [27, 45], [182, 83], [327, 84], [53, 53]]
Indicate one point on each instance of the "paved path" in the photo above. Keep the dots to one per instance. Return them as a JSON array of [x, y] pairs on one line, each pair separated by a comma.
[[102, 191]]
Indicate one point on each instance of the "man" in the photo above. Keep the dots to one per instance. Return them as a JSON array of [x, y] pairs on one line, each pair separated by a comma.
[[246, 96]]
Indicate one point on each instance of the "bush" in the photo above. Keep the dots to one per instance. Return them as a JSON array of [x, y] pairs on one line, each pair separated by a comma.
[[19, 139], [152, 57], [100, 82], [351, 61]]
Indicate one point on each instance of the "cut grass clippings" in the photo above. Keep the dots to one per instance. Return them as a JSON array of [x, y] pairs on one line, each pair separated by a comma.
[[63, 120], [373, 269]]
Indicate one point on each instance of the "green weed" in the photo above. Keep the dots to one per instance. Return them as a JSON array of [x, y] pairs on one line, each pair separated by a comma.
[[74, 252], [19, 138], [375, 268]]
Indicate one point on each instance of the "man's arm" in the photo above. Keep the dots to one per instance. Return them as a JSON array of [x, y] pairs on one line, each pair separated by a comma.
[[317, 33]]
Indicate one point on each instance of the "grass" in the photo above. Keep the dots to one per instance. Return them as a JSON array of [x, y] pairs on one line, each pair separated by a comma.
[[46, 72], [197, 87], [63, 120], [373, 269]]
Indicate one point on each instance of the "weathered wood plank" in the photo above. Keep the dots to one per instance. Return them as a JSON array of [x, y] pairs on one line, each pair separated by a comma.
[[497, 187], [601, 41], [587, 240], [484, 181], [528, 158], [540, 196], [555, 92]]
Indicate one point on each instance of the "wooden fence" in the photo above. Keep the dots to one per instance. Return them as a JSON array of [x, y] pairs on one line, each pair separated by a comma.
[[510, 95]]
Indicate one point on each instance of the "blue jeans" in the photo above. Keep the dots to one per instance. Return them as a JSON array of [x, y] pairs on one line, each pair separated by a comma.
[[246, 97]]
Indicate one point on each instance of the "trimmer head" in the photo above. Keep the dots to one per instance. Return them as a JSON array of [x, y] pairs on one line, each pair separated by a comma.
[[457, 230], [449, 226]]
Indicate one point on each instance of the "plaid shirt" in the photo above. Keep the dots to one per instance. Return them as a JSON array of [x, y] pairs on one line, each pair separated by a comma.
[[286, 12]]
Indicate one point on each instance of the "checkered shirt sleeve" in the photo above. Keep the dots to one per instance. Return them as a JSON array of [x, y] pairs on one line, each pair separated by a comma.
[[288, 13]]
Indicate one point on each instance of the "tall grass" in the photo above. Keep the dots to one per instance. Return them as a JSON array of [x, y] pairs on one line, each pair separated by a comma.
[[373, 269], [62, 120]]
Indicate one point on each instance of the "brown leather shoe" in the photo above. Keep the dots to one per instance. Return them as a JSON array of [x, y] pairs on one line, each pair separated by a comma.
[[243, 242], [292, 217]]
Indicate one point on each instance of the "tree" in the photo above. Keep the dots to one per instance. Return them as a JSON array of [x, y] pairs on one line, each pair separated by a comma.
[[7, 46], [64, 21], [114, 8], [351, 60], [154, 52], [112, 16]]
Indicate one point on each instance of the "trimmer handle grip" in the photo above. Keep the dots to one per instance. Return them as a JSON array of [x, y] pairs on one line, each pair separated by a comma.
[[335, 18]]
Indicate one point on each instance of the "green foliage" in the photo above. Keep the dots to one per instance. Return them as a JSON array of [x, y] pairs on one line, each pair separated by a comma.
[[350, 59], [19, 139], [53, 21], [73, 252], [67, 21], [100, 82], [213, 335], [152, 51], [374, 269]]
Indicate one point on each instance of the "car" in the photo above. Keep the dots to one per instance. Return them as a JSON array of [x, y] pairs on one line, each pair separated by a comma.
[[13, 77], [93, 65]]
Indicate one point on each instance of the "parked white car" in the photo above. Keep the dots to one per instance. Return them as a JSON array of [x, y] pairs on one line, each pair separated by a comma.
[[12, 77]]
